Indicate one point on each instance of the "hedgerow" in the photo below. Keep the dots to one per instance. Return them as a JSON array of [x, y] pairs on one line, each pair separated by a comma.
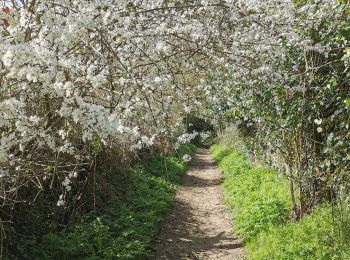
[[122, 230]]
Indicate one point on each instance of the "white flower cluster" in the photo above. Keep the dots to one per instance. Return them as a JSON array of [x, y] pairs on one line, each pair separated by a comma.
[[186, 158], [81, 74], [205, 135], [187, 137]]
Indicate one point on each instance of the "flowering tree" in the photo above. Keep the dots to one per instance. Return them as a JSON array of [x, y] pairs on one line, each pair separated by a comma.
[[291, 91], [81, 77]]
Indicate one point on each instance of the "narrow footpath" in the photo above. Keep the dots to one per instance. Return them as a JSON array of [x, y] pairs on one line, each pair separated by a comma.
[[198, 226]]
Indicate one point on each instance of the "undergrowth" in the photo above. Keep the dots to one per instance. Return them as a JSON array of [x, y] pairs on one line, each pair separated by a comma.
[[311, 238], [125, 229], [259, 198], [260, 203]]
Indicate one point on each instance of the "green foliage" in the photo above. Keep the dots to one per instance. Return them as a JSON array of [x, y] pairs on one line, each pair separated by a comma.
[[219, 153], [232, 138], [198, 124], [167, 167], [304, 127], [258, 196], [260, 202], [311, 238], [126, 228], [185, 149]]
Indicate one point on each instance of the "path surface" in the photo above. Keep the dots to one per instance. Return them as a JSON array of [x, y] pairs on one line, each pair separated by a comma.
[[198, 226]]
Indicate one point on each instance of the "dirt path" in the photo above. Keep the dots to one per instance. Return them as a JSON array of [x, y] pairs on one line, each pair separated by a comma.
[[198, 226]]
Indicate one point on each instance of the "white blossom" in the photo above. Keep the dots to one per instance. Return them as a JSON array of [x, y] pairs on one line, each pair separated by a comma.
[[186, 158]]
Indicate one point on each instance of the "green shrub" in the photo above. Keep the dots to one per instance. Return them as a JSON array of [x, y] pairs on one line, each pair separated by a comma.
[[185, 149]]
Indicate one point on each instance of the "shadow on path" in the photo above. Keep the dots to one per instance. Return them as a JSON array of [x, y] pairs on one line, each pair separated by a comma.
[[198, 226]]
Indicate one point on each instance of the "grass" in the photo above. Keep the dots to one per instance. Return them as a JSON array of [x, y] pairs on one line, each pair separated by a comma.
[[126, 229], [257, 196], [259, 200], [311, 238]]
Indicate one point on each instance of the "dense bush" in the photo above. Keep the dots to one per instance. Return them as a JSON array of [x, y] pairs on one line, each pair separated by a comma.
[[260, 203], [293, 104], [89, 84]]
